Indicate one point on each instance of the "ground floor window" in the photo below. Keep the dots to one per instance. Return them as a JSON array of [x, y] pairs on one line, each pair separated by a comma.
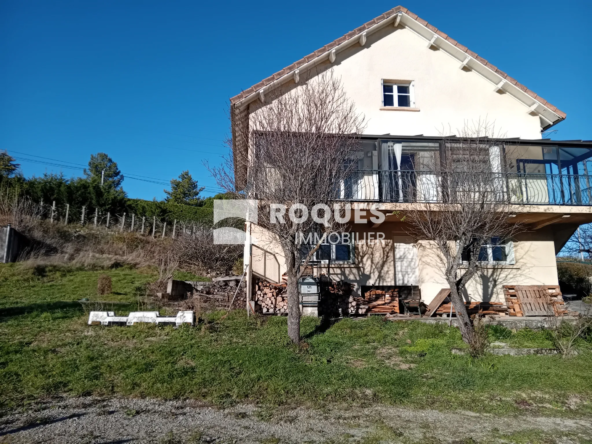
[[337, 248], [495, 251]]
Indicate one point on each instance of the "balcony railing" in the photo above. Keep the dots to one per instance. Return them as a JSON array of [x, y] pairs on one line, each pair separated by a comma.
[[437, 187]]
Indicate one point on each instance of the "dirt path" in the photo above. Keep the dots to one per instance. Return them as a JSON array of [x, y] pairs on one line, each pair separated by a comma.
[[91, 420]]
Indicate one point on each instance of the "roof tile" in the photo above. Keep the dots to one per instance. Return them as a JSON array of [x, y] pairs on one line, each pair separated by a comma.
[[461, 47], [511, 80]]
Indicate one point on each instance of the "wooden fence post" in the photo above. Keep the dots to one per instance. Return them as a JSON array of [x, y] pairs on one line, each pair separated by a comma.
[[174, 227], [122, 222], [133, 220], [67, 214], [96, 216], [153, 227], [82, 218], [108, 217], [143, 220], [164, 228], [52, 212]]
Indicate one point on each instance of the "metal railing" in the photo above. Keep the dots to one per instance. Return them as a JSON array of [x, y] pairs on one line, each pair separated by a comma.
[[457, 187]]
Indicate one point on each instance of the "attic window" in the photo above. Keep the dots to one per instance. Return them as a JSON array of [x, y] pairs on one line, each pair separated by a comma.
[[397, 95]]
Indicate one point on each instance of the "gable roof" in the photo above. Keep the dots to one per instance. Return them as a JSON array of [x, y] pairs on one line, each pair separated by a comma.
[[400, 16]]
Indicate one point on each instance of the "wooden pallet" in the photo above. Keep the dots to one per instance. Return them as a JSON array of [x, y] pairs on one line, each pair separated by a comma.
[[437, 301], [534, 300]]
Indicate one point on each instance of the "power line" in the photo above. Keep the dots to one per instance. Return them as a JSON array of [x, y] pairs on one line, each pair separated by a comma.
[[126, 175]]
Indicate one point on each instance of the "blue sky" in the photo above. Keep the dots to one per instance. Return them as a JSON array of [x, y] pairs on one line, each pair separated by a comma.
[[148, 81]]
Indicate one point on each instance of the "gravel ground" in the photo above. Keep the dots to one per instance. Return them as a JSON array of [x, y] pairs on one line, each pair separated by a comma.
[[94, 420]]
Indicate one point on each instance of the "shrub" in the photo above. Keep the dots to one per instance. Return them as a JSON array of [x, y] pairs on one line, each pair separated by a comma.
[[238, 267], [104, 285], [499, 332], [575, 278]]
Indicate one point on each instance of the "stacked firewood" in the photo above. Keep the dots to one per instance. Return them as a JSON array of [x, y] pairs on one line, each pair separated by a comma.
[[272, 298], [357, 306], [475, 308], [382, 301]]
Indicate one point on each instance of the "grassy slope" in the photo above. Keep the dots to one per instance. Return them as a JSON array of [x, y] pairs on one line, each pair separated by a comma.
[[47, 349]]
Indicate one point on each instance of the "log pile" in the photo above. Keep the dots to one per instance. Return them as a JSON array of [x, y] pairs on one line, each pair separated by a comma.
[[475, 308], [381, 302], [272, 298], [357, 306]]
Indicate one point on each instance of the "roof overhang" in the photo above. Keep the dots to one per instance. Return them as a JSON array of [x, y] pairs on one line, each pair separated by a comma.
[[507, 141], [400, 17]]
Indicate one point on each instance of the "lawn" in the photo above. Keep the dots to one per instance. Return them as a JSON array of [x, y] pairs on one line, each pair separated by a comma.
[[46, 349]]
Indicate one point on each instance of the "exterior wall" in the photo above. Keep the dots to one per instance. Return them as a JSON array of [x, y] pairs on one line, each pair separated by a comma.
[[374, 265], [446, 99], [535, 265], [445, 95]]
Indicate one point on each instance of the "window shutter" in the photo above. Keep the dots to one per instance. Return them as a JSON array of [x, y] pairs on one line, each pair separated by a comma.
[[510, 258], [382, 90]]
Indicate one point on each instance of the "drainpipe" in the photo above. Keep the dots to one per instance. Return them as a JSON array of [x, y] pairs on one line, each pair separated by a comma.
[[247, 268]]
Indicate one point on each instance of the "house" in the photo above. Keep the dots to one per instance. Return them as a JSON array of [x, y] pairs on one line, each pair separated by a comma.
[[410, 80]]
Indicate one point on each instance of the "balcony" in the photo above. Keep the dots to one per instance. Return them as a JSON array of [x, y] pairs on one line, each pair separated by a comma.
[[407, 186]]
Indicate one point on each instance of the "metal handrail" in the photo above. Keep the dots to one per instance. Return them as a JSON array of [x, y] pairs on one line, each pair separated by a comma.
[[264, 275], [444, 187]]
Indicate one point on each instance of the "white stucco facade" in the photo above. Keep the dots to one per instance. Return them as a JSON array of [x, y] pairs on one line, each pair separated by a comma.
[[446, 99]]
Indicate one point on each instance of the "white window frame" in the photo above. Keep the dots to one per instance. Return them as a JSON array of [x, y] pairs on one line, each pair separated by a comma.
[[395, 94], [510, 258], [314, 257]]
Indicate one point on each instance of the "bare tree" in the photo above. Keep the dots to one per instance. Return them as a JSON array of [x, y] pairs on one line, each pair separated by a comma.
[[580, 244], [565, 334], [466, 217], [299, 143]]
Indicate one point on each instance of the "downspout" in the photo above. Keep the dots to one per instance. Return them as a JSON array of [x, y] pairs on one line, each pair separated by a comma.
[[247, 260]]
